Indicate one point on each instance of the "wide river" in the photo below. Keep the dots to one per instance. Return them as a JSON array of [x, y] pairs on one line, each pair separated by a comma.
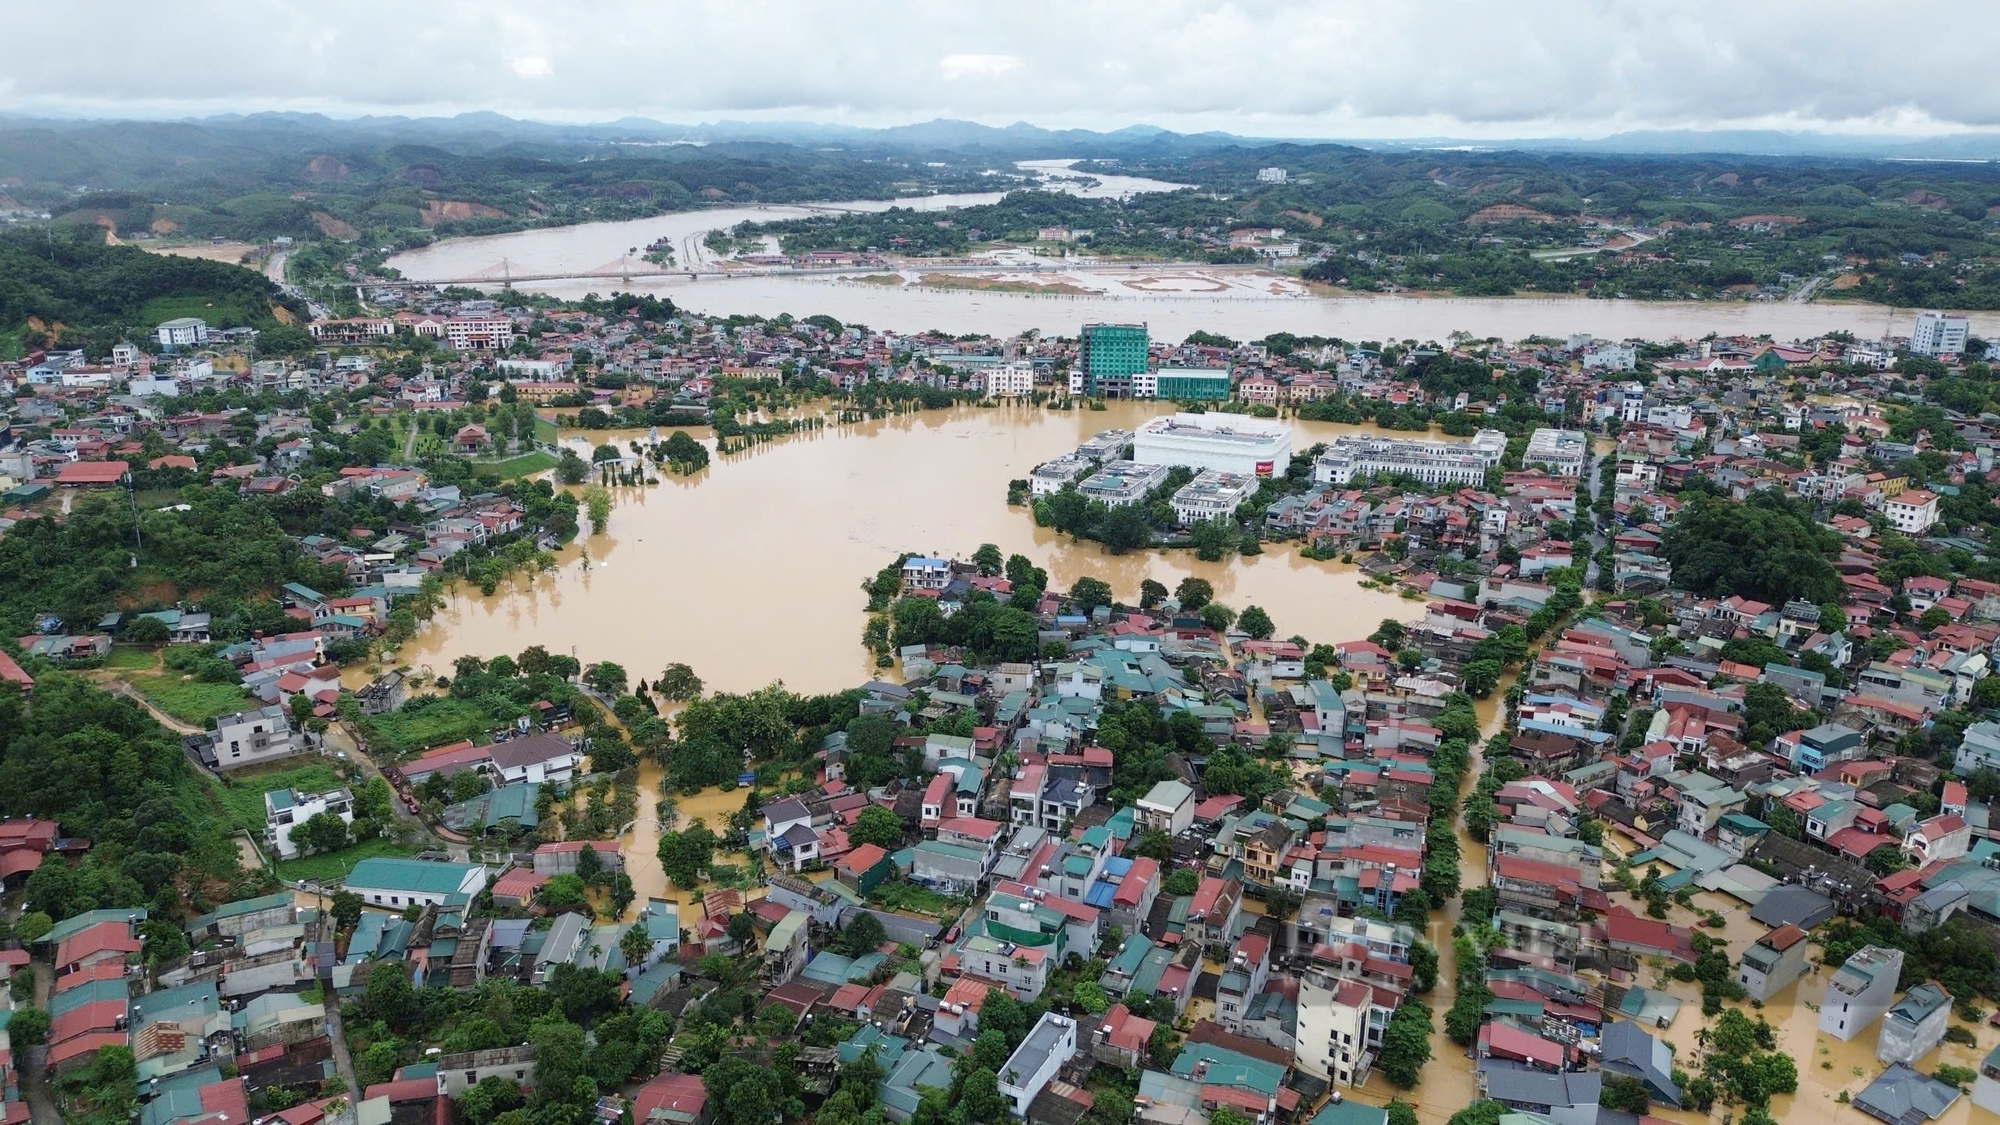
[[1241, 303]]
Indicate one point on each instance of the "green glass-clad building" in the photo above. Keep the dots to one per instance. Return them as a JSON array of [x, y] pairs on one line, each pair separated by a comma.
[[1193, 384], [1110, 355]]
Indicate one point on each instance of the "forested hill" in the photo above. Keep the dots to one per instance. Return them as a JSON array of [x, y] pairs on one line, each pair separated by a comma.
[[94, 289]]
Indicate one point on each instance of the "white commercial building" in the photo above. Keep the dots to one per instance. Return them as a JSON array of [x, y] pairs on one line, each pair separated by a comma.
[[183, 332], [1912, 512], [1938, 334], [286, 809], [1428, 460], [1212, 495], [1270, 175], [1232, 443], [1562, 452]]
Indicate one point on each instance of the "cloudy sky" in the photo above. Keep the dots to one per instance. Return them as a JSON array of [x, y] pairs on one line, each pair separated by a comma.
[[1328, 68]]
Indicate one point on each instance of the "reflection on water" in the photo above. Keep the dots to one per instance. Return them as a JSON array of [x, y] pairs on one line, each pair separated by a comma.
[[750, 571]]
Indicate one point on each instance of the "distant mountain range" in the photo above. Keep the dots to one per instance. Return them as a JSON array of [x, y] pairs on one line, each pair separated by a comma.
[[1021, 140]]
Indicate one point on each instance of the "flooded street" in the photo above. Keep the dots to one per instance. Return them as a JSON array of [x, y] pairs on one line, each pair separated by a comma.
[[750, 571]]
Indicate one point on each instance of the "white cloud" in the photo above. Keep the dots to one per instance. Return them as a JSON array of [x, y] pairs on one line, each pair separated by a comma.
[[1268, 67], [977, 66]]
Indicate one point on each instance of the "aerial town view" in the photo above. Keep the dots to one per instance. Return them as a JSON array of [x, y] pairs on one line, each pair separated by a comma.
[[980, 586]]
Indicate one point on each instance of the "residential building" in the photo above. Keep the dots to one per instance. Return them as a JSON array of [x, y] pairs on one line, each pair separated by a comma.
[[1913, 512], [1773, 962], [1233, 443], [1860, 991], [1167, 807], [1915, 1024], [1211, 495], [1333, 1031], [1049, 1044], [1121, 484], [1426, 460], [247, 738], [285, 809]]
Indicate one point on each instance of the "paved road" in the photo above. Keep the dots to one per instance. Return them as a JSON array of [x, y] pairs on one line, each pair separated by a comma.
[[1591, 470], [34, 1080], [343, 1062]]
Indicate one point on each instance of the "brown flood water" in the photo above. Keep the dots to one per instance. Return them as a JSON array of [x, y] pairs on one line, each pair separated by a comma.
[[750, 571]]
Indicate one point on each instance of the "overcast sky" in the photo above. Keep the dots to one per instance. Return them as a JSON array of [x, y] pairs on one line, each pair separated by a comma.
[[1324, 68]]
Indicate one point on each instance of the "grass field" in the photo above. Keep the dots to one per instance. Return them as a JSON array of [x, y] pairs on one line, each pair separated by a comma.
[[546, 430], [170, 308], [243, 795], [190, 701], [525, 465], [132, 658], [336, 865]]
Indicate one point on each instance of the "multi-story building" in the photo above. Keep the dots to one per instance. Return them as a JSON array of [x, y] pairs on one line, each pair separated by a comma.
[[1937, 334], [1273, 175], [1033, 1065], [182, 332], [245, 738], [1914, 1025], [1333, 1030], [1121, 484], [1432, 462], [1211, 495], [1913, 512], [1192, 384], [1562, 452], [1860, 991], [493, 333], [1773, 962], [1232, 443], [285, 809], [1109, 356], [1010, 380], [1050, 476]]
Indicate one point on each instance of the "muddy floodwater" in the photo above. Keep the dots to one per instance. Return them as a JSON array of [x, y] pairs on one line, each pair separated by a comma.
[[751, 570]]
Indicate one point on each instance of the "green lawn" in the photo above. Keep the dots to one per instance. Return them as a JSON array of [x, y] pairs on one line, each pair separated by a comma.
[[546, 430], [525, 465], [336, 865], [909, 898], [132, 658], [243, 794], [433, 722], [190, 701]]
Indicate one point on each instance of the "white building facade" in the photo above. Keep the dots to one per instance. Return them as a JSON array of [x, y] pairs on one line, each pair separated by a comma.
[[1232, 443]]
